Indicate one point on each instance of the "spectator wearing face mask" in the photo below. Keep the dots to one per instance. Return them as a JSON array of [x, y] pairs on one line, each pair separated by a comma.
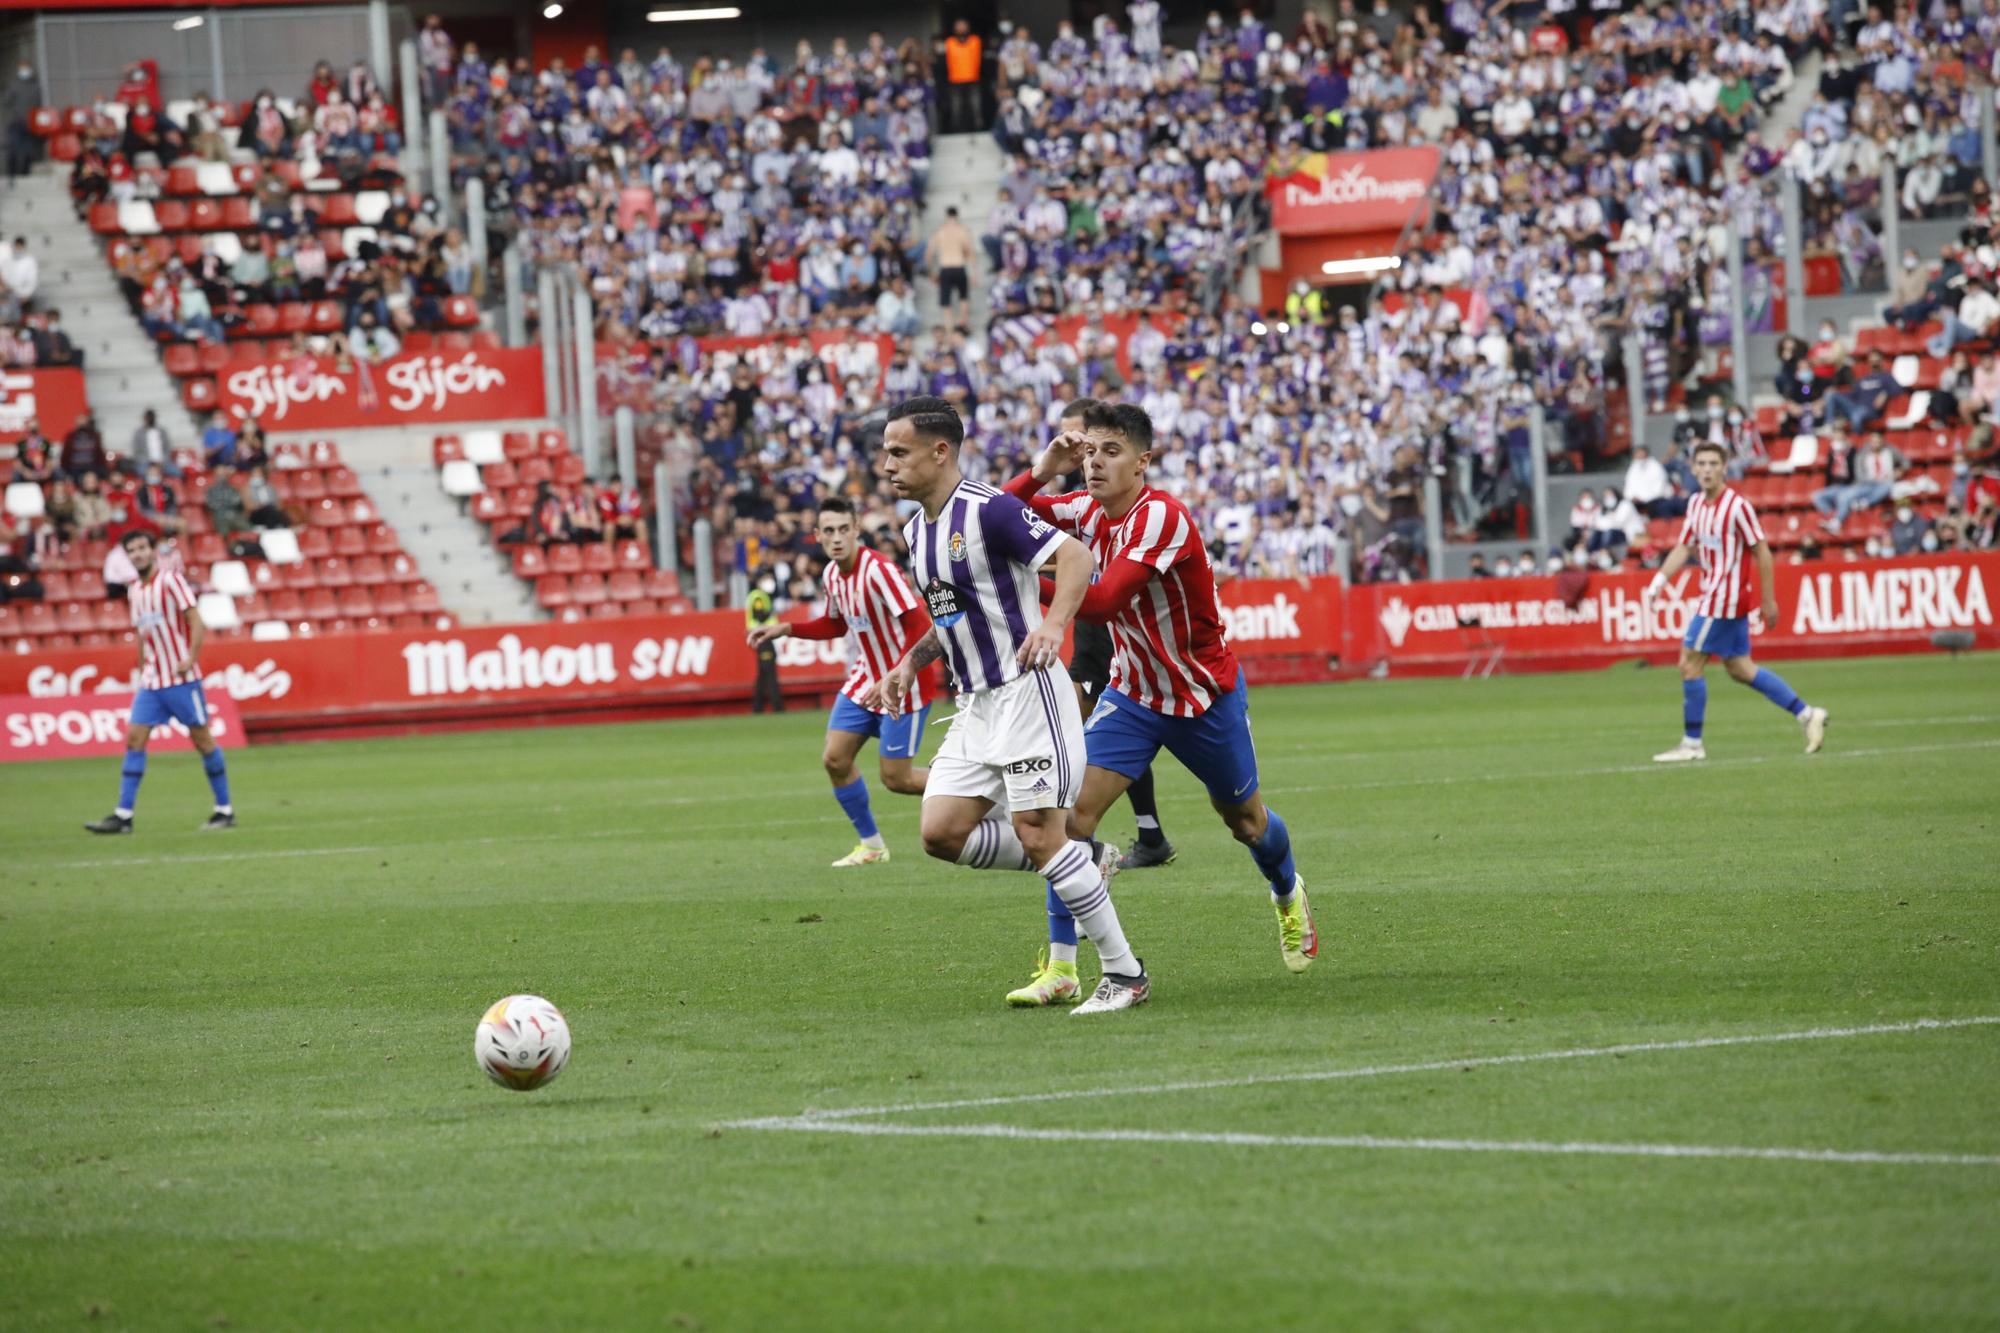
[[1909, 531]]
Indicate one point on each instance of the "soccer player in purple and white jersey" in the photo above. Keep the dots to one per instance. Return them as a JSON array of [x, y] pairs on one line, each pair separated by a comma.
[[1017, 738]]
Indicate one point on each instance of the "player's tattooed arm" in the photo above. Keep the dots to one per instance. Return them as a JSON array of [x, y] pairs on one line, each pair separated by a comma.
[[925, 651]]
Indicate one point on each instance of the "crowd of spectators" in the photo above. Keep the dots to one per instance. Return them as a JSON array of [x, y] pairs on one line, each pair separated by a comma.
[[706, 196]]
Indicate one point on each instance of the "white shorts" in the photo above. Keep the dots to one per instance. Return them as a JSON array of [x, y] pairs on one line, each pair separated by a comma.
[[1020, 746]]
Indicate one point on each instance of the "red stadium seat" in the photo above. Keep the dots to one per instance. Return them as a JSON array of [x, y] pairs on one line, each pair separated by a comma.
[[308, 485], [552, 442], [326, 317], [284, 604], [461, 312], [676, 606], [382, 539], [334, 573], [626, 585], [489, 508], [38, 618], [597, 558], [447, 449], [181, 360], [517, 445], [246, 175], [239, 213], [390, 600], [356, 602], [529, 562], [321, 604], [662, 584], [113, 615], [183, 180], [204, 215], [323, 453], [569, 469], [341, 482], [78, 618], [552, 590], [499, 476], [350, 542], [104, 219], [55, 586], [565, 559], [208, 548], [587, 589], [316, 543], [171, 214], [327, 514], [534, 471], [86, 585], [368, 570], [632, 554], [44, 122], [213, 357], [199, 394], [337, 210], [606, 611], [292, 317], [417, 340], [262, 320], [454, 343]]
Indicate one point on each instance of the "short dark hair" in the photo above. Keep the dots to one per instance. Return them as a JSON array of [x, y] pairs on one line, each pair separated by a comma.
[[1709, 446], [932, 418], [136, 534], [1076, 407], [835, 504], [1127, 419]]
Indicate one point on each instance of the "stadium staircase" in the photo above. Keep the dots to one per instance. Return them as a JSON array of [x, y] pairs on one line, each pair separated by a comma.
[[122, 371], [474, 582], [966, 170]]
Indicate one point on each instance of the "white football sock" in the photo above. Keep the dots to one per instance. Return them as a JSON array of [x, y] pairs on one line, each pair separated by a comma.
[[874, 842], [1072, 873], [993, 845], [1062, 953]]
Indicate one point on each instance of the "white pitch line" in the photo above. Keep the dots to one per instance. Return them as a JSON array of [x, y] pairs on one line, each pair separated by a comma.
[[1613, 770], [1380, 1071], [809, 1124]]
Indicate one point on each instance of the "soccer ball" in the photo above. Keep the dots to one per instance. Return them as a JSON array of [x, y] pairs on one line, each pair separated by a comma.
[[522, 1042]]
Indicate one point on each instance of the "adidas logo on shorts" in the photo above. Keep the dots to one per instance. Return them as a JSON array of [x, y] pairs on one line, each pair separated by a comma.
[[1041, 784]]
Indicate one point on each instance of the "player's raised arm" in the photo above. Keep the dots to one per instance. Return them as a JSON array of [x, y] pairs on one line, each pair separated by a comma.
[[1043, 644]]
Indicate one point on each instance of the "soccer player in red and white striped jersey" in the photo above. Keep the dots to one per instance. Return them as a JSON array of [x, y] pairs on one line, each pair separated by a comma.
[[1175, 683], [870, 602], [1722, 531], [170, 633]]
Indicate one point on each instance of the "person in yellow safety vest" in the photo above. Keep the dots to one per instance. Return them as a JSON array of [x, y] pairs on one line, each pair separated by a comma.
[[1305, 304], [765, 693]]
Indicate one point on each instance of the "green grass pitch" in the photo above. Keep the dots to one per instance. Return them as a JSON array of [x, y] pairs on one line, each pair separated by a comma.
[[243, 1095]]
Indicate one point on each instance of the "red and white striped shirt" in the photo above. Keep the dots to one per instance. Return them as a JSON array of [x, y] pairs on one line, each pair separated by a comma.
[[1170, 651], [871, 602], [1721, 532], [160, 604]]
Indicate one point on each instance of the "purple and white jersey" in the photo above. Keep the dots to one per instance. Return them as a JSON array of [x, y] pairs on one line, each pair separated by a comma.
[[975, 566]]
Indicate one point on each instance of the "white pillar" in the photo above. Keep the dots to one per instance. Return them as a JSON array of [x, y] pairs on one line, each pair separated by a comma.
[[378, 45], [412, 84], [440, 146], [1739, 323], [625, 430], [1892, 222], [1538, 466], [1433, 526], [475, 221], [1795, 260], [1635, 381], [704, 565], [589, 434], [666, 523], [515, 305], [551, 339]]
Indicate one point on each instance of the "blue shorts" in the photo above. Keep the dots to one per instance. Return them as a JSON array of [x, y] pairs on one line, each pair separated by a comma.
[[897, 737], [185, 704], [1719, 637], [1123, 736]]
